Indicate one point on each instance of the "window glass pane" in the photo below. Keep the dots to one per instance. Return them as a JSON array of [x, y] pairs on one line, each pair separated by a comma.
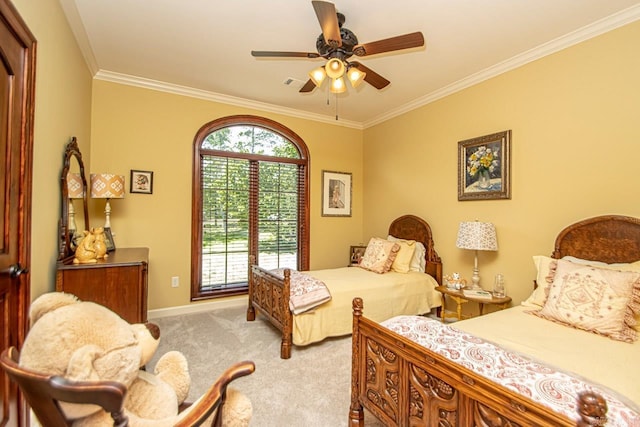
[[225, 221], [278, 216], [251, 140]]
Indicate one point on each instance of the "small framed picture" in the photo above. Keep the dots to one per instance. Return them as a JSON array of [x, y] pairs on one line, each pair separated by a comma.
[[141, 182], [108, 240], [355, 254], [484, 170], [336, 193]]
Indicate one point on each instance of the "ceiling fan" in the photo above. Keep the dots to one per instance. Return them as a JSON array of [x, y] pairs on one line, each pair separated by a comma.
[[337, 44]]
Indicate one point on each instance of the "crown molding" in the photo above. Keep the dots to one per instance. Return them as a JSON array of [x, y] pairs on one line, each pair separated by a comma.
[[597, 28], [216, 97]]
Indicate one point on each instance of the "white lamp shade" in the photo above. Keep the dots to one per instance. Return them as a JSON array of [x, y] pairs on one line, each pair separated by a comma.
[[476, 235], [338, 85], [107, 186], [334, 68], [317, 76], [355, 76], [74, 186]]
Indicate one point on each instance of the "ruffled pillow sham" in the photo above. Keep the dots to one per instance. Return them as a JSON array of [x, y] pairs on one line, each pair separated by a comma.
[[379, 255]]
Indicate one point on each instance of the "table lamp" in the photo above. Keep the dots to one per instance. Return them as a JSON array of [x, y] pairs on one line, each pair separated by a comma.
[[107, 186], [477, 236], [75, 190]]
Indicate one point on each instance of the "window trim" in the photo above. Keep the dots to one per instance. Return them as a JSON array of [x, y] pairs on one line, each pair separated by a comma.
[[196, 201]]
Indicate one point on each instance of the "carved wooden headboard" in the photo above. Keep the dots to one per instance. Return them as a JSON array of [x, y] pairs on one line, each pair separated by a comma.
[[411, 227], [608, 238]]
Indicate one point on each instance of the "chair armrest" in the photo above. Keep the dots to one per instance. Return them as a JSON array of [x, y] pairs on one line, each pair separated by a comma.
[[200, 410]]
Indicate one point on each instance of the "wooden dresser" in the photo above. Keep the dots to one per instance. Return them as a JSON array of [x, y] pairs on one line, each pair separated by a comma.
[[119, 282]]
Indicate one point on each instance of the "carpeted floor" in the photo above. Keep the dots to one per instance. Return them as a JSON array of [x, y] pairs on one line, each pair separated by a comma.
[[312, 389]]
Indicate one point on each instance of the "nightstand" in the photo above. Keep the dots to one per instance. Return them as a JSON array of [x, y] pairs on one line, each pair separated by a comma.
[[461, 299]]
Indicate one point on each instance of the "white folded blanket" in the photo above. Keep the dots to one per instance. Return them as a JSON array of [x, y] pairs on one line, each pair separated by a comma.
[[307, 292]]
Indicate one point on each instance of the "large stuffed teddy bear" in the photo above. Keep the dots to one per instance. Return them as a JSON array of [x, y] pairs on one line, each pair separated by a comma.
[[84, 341]]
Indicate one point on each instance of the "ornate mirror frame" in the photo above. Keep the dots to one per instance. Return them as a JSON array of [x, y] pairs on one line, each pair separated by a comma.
[[72, 151]]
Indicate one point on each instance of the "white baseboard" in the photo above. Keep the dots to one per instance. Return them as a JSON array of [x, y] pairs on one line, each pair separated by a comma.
[[198, 307]]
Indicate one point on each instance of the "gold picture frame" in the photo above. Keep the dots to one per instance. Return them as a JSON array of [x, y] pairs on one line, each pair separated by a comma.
[[484, 167]]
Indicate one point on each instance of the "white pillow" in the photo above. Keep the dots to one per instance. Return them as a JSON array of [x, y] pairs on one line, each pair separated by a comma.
[[544, 278], [418, 261]]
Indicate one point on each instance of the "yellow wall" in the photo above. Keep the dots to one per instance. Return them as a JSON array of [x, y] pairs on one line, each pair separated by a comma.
[[62, 110], [575, 143], [575, 149], [136, 128]]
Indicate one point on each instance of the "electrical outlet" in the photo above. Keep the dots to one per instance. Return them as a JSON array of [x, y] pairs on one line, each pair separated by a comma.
[[175, 281]]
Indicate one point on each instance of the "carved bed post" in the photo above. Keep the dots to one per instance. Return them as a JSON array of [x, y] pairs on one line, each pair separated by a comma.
[[592, 409], [251, 312], [287, 316], [356, 414]]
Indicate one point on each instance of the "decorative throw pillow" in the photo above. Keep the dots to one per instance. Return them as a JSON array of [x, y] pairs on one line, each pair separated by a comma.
[[594, 299], [403, 260], [545, 268], [418, 262], [379, 255]]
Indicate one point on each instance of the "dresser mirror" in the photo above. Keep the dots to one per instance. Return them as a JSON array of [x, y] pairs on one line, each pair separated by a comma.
[[73, 185]]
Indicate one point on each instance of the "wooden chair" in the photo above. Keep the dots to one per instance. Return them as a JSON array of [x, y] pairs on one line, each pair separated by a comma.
[[43, 392]]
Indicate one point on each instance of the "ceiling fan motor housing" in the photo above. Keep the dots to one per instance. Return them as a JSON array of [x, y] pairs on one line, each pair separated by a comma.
[[349, 41]]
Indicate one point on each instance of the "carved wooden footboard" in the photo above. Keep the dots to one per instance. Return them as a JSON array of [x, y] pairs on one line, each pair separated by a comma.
[[270, 295], [405, 384]]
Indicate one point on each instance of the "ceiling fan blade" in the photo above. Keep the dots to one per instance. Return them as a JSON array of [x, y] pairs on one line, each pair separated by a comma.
[[406, 41], [371, 77], [328, 18], [308, 86], [276, 54]]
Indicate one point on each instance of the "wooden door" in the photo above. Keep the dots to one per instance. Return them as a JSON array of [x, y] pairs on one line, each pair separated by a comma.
[[17, 79]]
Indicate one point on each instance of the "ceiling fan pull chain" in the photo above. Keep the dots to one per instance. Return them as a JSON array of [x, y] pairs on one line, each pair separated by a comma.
[[336, 107]]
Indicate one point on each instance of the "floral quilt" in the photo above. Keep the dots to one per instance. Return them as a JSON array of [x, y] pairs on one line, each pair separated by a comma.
[[541, 383], [307, 292]]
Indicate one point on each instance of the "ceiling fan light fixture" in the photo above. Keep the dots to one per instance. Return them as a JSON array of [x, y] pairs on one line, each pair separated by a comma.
[[338, 85], [317, 76], [334, 68], [355, 76]]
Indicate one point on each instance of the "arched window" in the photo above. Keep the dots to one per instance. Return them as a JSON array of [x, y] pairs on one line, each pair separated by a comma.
[[250, 197]]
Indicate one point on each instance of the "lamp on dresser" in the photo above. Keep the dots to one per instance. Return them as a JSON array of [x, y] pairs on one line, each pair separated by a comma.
[[107, 186], [477, 236]]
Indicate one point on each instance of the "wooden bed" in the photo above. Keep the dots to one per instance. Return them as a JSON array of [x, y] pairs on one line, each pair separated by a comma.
[[405, 384], [269, 293]]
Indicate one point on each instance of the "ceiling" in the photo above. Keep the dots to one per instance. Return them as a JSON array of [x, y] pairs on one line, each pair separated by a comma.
[[203, 48]]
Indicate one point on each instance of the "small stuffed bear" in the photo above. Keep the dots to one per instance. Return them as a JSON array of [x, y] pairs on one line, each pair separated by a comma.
[[84, 341], [86, 251], [100, 245]]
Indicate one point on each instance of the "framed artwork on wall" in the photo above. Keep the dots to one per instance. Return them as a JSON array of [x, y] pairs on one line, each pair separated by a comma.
[[141, 182], [336, 193], [484, 167]]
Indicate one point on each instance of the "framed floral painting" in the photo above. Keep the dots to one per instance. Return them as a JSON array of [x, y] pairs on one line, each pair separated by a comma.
[[484, 167]]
